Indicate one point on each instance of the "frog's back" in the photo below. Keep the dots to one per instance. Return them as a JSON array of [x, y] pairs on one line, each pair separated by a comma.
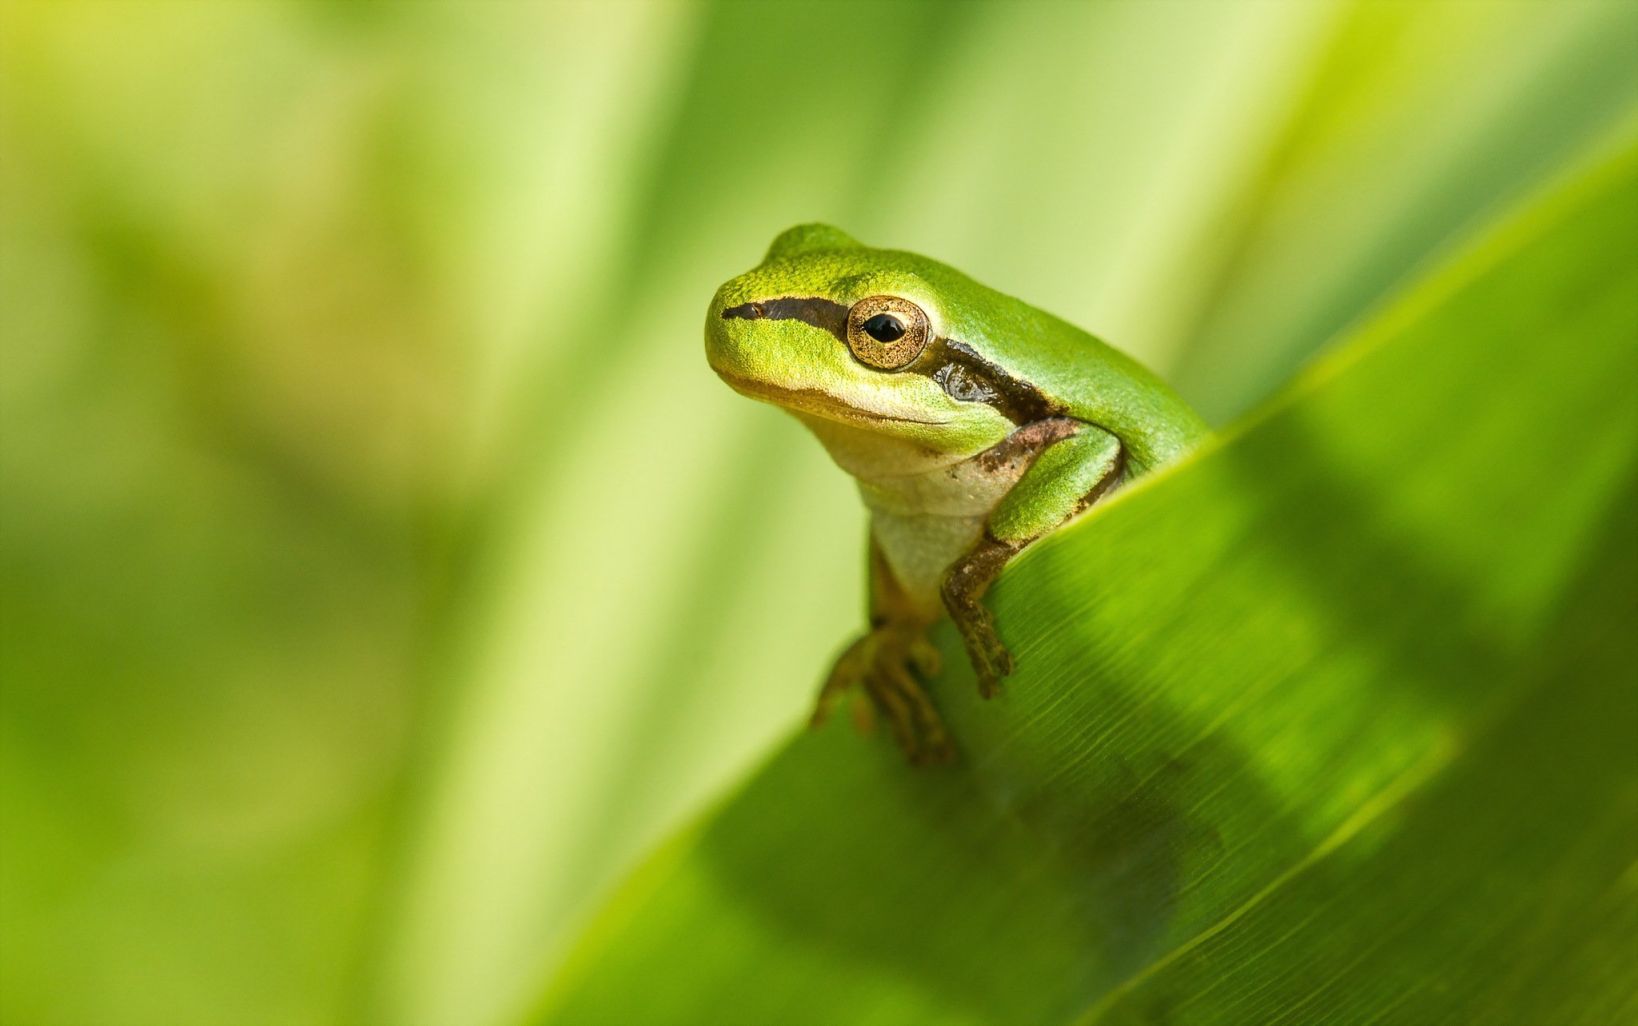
[[1101, 385], [1076, 371]]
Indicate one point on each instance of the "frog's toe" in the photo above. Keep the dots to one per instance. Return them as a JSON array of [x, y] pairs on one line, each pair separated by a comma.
[[924, 657], [932, 741], [851, 668], [895, 706], [886, 664], [991, 662]]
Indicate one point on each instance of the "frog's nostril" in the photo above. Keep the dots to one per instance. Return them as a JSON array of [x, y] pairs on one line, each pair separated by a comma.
[[745, 311]]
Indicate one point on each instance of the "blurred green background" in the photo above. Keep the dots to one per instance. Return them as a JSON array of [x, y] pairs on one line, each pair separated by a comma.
[[384, 571]]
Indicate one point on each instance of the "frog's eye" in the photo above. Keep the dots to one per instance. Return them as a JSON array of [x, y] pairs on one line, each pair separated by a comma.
[[886, 332]]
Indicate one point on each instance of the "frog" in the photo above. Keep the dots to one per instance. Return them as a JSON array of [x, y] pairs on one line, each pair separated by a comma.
[[973, 423]]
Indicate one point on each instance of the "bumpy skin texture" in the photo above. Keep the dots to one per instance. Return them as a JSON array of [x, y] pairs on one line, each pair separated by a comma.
[[1004, 424]]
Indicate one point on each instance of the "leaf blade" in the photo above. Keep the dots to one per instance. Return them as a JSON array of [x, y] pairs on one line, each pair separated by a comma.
[[1286, 640]]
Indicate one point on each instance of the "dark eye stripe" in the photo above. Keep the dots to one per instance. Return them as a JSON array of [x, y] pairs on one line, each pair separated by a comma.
[[961, 372], [821, 313], [967, 377]]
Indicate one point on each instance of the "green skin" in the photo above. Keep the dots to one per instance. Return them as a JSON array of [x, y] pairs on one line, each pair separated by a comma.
[[1006, 423]]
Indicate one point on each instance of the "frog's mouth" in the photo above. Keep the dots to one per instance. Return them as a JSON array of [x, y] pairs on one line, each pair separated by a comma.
[[817, 402]]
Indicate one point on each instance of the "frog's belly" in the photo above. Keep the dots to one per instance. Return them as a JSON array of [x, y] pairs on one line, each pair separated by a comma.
[[919, 549], [926, 521]]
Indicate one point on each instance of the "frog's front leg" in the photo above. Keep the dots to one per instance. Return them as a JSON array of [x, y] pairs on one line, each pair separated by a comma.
[[1074, 465], [889, 662]]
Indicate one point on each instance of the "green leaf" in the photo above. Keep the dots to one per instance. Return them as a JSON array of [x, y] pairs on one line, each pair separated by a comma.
[[606, 677], [364, 620], [1332, 723]]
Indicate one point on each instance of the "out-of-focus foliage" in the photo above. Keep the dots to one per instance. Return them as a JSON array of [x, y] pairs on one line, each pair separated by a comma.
[[383, 571], [1331, 723]]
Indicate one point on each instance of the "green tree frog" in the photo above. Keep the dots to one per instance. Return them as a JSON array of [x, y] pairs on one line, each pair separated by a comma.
[[972, 422]]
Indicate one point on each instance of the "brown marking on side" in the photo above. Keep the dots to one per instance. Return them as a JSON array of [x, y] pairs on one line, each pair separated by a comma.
[[1106, 485], [1019, 449]]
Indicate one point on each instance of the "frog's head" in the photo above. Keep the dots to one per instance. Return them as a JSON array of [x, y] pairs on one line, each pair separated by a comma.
[[868, 338]]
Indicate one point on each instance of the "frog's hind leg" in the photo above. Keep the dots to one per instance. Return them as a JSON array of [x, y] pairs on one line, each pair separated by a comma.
[[889, 664]]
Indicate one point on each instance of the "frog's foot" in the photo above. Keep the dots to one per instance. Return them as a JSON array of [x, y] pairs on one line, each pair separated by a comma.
[[886, 664], [990, 658]]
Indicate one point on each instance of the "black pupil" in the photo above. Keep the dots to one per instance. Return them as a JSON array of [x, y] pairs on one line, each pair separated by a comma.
[[884, 328]]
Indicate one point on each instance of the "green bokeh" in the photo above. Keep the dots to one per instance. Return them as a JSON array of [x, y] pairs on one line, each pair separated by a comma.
[[384, 571]]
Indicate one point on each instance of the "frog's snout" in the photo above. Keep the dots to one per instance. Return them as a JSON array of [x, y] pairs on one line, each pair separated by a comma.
[[721, 347]]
